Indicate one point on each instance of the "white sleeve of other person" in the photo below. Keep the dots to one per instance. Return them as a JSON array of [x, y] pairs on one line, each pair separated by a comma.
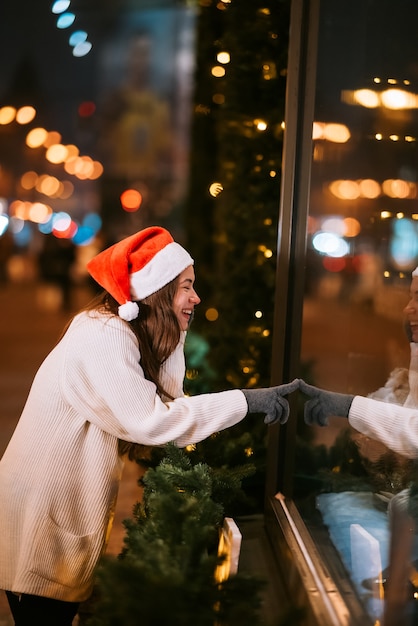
[[394, 425]]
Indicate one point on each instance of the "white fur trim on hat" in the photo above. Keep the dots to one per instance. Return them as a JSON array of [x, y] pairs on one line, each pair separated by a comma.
[[415, 272], [128, 311], [164, 267]]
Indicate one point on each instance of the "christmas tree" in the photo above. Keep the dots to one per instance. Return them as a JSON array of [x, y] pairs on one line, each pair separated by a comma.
[[231, 215], [166, 573]]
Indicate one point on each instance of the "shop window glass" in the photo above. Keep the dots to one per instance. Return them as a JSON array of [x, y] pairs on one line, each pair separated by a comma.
[[362, 245]]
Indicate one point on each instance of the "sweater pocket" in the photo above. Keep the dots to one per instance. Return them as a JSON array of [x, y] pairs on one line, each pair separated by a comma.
[[64, 558]]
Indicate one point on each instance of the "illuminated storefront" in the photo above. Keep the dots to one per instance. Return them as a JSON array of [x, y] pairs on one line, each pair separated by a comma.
[[347, 246]]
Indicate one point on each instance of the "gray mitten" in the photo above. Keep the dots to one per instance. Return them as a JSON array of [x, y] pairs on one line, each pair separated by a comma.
[[324, 404], [271, 402]]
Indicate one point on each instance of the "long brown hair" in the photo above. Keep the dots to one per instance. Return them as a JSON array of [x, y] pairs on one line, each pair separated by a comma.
[[158, 332]]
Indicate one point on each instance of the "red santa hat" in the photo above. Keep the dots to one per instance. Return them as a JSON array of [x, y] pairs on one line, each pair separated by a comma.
[[138, 266]]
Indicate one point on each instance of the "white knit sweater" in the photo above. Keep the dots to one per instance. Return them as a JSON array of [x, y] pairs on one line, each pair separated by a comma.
[[394, 425], [60, 473]]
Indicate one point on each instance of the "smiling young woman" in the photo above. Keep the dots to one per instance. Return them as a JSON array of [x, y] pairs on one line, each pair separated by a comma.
[[112, 382]]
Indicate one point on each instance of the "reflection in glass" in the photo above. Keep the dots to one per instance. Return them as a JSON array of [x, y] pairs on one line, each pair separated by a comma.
[[362, 245]]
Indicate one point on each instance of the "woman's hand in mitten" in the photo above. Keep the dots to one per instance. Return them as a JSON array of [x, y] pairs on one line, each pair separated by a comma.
[[323, 404], [271, 402]]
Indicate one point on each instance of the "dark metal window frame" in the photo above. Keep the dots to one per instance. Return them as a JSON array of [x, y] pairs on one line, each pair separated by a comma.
[[310, 564]]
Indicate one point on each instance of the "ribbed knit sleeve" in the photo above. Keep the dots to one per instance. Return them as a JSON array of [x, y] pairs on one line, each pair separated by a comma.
[[102, 379], [395, 426]]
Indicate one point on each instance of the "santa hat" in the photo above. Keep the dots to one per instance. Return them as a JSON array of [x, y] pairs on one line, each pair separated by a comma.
[[138, 266], [415, 272]]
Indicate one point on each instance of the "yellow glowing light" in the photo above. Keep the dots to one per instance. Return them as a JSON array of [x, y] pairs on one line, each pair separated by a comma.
[[28, 180], [52, 138], [369, 188], [409, 138], [260, 125], [345, 189], [272, 174], [223, 57], [218, 71], [268, 254], [218, 98], [379, 136], [258, 314], [400, 216], [366, 98], [7, 115], [131, 200], [385, 215], [351, 227], [215, 189], [72, 151], [248, 451], [394, 137], [396, 99], [396, 188], [39, 212], [48, 185], [20, 209], [25, 115], [266, 333], [318, 130], [211, 314], [66, 190], [36, 137], [269, 71], [57, 153], [338, 133], [97, 170]]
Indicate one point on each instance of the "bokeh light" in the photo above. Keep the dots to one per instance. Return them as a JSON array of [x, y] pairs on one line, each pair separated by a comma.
[[131, 200]]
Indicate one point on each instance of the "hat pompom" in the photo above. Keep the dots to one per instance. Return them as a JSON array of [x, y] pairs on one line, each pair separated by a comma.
[[128, 311]]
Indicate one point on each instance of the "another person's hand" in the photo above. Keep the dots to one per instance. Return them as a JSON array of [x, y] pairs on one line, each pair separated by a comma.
[[271, 401], [323, 404]]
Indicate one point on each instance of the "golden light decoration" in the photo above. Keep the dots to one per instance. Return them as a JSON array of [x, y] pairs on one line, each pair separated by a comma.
[[335, 133], [57, 153], [345, 189], [369, 188], [218, 98], [211, 314], [28, 180], [131, 200], [7, 115], [25, 115], [392, 98], [215, 189], [223, 57], [52, 138], [218, 71], [48, 185], [260, 124], [352, 227], [39, 212], [36, 137]]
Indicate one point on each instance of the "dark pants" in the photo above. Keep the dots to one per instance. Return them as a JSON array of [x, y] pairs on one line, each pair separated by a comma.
[[30, 610]]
